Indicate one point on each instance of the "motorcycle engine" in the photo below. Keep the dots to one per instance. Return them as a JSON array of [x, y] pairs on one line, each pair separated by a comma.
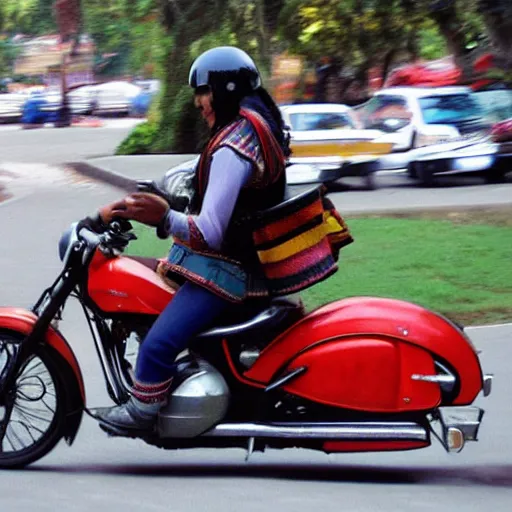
[[199, 397], [199, 400]]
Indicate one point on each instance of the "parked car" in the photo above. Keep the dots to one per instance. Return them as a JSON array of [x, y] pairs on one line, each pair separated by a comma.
[[114, 97], [80, 100], [496, 103], [331, 120], [11, 107], [421, 117], [319, 133]]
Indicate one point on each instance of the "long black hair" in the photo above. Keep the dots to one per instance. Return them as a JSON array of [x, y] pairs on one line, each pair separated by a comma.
[[226, 105]]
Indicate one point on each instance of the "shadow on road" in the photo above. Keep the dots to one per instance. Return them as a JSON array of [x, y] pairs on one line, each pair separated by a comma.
[[485, 475]]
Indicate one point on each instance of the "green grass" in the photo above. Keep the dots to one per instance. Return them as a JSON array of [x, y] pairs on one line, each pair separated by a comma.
[[461, 269]]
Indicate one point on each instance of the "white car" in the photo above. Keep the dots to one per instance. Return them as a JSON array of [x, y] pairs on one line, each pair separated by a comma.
[[80, 100], [327, 123], [11, 106], [419, 117], [114, 97], [317, 121]]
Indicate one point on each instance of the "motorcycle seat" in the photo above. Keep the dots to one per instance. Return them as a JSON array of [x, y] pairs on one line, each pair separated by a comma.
[[279, 311]]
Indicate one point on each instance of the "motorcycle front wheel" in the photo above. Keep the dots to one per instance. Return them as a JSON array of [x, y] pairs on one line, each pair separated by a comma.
[[32, 416]]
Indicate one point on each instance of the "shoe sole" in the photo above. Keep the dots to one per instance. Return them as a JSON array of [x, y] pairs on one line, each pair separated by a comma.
[[114, 431]]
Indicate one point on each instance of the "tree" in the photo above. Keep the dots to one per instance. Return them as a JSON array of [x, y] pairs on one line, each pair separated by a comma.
[[497, 16], [358, 34], [31, 17], [185, 23]]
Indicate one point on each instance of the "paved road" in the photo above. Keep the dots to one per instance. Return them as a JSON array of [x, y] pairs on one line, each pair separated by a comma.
[[57, 145], [115, 475]]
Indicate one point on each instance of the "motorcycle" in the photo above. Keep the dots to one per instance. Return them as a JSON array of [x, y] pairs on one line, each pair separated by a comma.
[[361, 374]]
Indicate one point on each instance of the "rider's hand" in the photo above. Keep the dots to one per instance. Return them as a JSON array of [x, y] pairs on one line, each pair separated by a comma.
[[99, 221], [108, 212], [143, 207]]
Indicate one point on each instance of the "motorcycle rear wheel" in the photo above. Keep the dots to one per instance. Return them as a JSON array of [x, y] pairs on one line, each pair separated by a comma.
[[33, 424]]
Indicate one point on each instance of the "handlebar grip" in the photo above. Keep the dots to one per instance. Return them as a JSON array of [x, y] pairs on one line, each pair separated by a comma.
[[92, 239]]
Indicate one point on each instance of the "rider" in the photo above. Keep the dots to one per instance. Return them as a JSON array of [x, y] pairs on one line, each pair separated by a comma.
[[241, 171]]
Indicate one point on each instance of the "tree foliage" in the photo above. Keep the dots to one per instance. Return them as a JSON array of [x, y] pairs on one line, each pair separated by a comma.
[[162, 37]]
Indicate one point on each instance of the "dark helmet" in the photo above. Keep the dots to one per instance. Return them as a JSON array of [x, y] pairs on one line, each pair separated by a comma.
[[225, 69]]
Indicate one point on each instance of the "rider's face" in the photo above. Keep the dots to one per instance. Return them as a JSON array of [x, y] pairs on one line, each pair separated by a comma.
[[203, 101]]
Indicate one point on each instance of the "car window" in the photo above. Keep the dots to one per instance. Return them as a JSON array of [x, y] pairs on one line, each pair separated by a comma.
[[306, 121], [450, 108], [496, 104], [385, 112]]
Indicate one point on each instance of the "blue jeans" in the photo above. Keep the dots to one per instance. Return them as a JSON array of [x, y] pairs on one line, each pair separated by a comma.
[[192, 310]]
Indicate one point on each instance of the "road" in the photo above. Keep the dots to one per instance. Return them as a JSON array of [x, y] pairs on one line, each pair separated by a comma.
[[57, 145], [114, 475]]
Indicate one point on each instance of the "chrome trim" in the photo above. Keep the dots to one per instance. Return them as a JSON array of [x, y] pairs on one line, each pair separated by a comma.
[[487, 387], [249, 357], [455, 423], [292, 374], [339, 431], [440, 379], [258, 321]]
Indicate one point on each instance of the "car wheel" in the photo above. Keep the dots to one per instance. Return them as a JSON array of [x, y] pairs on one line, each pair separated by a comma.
[[425, 175], [371, 181], [496, 174]]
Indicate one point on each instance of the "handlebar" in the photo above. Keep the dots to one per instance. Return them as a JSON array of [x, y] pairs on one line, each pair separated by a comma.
[[113, 241], [91, 238]]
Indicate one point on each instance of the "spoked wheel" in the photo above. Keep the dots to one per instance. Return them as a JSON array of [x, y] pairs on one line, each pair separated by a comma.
[[32, 414]]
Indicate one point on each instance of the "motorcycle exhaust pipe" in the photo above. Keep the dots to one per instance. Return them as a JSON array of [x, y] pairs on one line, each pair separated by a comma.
[[334, 431]]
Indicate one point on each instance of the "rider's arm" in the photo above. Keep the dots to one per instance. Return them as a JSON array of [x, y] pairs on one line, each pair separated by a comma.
[[228, 174]]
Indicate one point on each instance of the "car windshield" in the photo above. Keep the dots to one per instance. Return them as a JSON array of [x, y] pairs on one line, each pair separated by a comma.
[[450, 108], [306, 121], [496, 104]]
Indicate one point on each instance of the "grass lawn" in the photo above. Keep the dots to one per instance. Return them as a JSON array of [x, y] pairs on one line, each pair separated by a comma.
[[456, 262]]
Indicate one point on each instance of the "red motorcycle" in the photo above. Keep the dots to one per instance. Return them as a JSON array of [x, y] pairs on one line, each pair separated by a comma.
[[359, 374]]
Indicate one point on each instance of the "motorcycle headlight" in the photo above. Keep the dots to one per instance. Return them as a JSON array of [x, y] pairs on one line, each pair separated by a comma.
[[67, 239]]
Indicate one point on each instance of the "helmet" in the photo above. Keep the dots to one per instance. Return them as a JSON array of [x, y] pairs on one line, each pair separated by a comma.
[[227, 69]]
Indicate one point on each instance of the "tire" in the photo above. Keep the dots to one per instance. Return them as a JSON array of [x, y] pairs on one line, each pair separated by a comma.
[[411, 171], [371, 181], [49, 361], [425, 176], [496, 174]]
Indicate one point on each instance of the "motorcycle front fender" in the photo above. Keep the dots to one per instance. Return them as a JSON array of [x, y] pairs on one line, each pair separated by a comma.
[[22, 321]]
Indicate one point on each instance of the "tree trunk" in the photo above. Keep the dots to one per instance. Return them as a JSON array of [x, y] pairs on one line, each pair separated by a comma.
[[444, 13], [262, 36], [497, 16], [386, 65], [185, 21]]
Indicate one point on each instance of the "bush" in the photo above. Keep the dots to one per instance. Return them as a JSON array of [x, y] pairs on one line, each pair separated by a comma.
[[181, 129], [141, 140], [178, 129]]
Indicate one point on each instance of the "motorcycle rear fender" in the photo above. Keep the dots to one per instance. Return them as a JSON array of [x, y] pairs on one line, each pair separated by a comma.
[[22, 321], [369, 317]]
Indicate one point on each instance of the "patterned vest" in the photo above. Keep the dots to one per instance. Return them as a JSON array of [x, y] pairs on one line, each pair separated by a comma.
[[235, 272]]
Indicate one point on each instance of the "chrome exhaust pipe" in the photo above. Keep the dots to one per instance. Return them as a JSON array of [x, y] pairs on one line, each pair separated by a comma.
[[334, 431]]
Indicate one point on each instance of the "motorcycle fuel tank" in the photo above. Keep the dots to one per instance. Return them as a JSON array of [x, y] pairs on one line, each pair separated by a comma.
[[123, 285]]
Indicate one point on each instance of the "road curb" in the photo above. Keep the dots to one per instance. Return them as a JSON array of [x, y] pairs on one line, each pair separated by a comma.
[[110, 177], [121, 182]]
